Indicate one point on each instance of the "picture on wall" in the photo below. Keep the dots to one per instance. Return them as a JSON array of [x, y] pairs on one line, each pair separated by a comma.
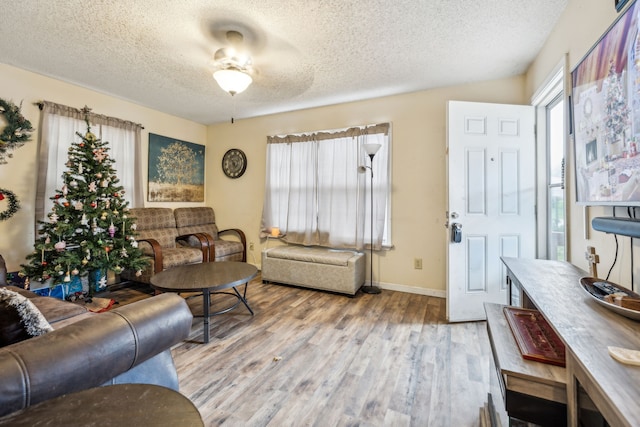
[[176, 170], [605, 107]]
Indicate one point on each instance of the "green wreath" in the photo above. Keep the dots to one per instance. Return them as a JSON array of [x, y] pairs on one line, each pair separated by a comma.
[[14, 204], [16, 133]]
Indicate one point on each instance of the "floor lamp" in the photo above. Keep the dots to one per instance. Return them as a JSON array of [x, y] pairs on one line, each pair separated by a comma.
[[371, 150]]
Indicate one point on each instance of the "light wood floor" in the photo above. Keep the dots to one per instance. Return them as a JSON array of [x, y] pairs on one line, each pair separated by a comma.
[[309, 358]]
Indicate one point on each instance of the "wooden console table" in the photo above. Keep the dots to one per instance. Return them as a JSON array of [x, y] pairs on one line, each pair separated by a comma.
[[592, 376]]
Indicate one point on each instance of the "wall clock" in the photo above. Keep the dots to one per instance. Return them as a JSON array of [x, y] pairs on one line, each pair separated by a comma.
[[234, 163]]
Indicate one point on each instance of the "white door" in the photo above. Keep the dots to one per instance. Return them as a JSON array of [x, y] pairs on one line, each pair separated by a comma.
[[491, 201]]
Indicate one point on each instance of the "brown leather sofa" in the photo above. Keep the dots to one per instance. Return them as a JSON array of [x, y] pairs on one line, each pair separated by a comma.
[[129, 344]]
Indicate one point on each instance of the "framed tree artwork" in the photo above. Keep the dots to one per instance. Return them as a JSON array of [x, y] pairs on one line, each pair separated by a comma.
[[176, 170]]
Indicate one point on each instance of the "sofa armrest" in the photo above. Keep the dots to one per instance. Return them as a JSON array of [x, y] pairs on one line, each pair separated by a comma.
[[241, 236], [204, 240], [90, 352], [157, 254]]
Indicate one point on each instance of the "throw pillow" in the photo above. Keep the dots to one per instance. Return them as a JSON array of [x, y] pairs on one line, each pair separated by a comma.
[[19, 318]]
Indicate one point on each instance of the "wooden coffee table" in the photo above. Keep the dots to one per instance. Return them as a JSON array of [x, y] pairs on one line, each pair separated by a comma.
[[208, 278]]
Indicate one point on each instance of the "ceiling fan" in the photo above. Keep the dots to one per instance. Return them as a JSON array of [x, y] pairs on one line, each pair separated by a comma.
[[233, 65], [273, 66]]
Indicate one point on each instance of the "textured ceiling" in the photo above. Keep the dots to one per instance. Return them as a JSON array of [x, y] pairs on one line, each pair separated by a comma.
[[305, 53]]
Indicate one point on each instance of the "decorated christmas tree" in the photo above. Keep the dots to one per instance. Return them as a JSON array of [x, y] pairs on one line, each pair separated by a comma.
[[88, 231], [616, 110]]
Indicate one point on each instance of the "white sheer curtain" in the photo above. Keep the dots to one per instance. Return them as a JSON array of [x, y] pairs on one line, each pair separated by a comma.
[[125, 147], [315, 194], [58, 127]]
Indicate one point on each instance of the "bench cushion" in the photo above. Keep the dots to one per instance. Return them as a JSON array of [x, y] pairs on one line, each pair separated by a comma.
[[315, 255]]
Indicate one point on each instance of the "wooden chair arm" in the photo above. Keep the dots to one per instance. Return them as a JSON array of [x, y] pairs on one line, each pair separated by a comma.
[[157, 253], [204, 244], [242, 238]]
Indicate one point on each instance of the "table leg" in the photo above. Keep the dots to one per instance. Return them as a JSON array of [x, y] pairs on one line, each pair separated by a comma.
[[206, 301], [243, 297]]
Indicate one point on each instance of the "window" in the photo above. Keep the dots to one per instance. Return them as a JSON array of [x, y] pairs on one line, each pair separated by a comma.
[[59, 126], [555, 180], [550, 109], [318, 188]]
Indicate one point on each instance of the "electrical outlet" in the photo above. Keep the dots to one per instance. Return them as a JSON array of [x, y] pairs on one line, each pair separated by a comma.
[[250, 246], [417, 263]]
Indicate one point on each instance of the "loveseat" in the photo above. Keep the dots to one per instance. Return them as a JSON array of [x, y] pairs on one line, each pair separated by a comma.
[[129, 344], [182, 236], [158, 239]]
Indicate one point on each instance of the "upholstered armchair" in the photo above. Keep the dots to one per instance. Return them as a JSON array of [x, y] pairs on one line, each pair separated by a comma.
[[158, 238], [202, 221]]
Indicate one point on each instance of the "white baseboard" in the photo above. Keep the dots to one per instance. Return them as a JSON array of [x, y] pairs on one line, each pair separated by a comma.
[[413, 290]]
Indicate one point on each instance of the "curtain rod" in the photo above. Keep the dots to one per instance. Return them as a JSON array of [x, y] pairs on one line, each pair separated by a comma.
[[321, 135], [40, 105]]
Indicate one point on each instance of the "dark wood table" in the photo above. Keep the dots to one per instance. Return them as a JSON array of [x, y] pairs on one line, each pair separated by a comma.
[[114, 405], [208, 278]]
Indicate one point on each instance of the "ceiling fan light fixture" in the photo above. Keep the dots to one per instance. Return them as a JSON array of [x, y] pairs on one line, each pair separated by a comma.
[[232, 80]]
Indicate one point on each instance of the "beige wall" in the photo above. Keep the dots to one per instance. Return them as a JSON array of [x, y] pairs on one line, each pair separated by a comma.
[[580, 27], [19, 175], [418, 164], [418, 195]]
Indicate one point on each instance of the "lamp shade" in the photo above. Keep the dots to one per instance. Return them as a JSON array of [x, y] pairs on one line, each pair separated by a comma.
[[232, 80], [371, 149]]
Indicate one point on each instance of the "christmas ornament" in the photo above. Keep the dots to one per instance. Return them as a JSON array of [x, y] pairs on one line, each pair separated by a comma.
[[99, 155], [60, 246]]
